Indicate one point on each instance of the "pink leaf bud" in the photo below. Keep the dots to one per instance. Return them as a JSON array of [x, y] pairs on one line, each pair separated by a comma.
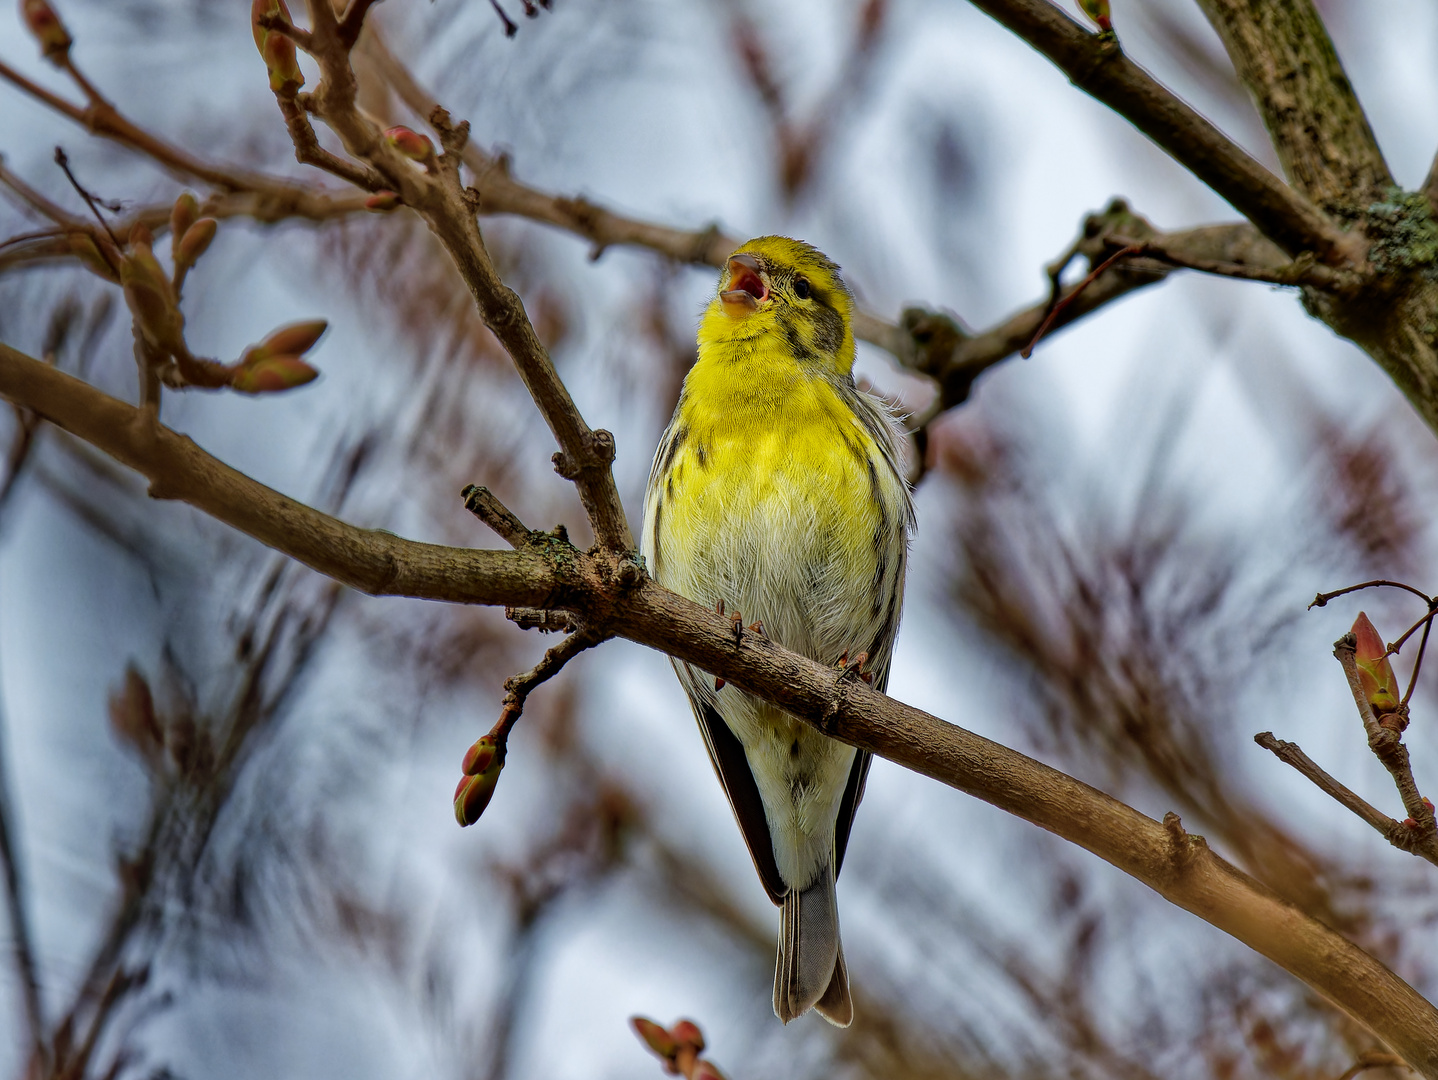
[[1380, 685], [687, 1031], [296, 339], [382, 202], [472, 795], [45, 25], [271, 374], [655, 1036], [411, 144], [479, 756], [195, 242], [1098, 11]]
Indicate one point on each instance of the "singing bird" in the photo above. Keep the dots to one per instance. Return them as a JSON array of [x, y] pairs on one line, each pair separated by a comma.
[[777, 490]]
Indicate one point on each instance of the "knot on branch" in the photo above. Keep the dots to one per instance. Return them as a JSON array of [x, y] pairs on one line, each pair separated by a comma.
[[931, 339], [1182, 847], [1106, 48], [597, 450], [541, 619], [453, 138], [703, 241]]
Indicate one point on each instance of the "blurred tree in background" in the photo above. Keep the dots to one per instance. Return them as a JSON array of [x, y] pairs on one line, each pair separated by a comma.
[[225, 824]]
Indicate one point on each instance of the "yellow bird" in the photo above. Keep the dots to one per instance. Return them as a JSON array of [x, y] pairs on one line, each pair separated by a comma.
[[777, 490]]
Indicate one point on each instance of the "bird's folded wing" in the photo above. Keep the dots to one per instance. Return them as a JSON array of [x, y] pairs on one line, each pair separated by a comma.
[[727, 754], [854, 789]]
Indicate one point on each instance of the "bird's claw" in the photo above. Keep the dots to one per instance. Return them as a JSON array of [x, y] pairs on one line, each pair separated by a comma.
[[855, 666]]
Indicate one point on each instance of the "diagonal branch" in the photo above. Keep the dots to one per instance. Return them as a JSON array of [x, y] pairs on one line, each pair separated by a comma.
[[437, 195], [1179, 867], [275, 197], [1283, 54], [1096, 64]]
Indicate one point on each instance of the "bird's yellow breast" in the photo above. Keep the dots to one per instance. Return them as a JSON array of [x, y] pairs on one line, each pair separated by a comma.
[[768, 495]]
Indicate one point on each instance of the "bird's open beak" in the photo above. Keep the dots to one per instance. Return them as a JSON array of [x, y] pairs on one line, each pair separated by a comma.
[[746, 286]]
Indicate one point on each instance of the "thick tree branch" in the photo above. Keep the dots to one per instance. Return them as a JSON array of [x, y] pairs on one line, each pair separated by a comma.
[[551, 574], [1283, 54], [370, 560], [1096, 64]]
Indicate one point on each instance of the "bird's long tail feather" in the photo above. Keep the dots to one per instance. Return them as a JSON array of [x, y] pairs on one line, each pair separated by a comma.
[[810, 972]]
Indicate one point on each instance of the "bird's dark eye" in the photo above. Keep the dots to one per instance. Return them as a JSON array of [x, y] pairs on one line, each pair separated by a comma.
[[801, 288]]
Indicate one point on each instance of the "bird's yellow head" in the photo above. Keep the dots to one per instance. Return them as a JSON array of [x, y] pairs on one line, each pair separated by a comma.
[[774, 285]]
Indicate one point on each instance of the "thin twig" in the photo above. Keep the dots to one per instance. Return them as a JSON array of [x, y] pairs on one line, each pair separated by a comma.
[[1418, 663], [483, 504], [1322, 599], [1395, 832], [274, 197], [90, 200], [1057, 309]]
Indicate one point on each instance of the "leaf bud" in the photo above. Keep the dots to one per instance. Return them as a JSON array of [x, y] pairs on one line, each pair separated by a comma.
[[150, 295], [195, 242], [1098, 11], [182, 216], [479, 756], [473, 795], [1380, 684], [655, 1036], [271, 374], [411, 144], [42, 21], [296, 339], [278, 51], [382, 202], [687, 1032]]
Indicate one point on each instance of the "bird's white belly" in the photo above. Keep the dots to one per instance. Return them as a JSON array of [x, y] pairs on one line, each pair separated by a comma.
[[768, 559]]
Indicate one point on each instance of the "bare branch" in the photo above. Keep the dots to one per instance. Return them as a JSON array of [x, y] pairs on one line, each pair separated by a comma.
[[436, 195], [1283, 54], [1179, 867], [1395, 832], [1096, 64], [939, 348], [275, 198]]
